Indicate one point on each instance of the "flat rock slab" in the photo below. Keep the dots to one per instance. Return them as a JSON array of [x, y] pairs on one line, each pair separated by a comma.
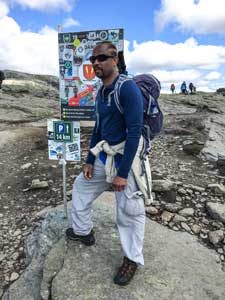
[[177, 267]]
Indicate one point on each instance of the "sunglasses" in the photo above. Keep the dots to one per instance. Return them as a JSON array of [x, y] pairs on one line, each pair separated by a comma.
[[100, 57]]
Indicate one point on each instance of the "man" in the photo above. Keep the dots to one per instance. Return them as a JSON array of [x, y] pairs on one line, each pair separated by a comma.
[[191, 88], [114, 130], [183, 88], [172, 88]]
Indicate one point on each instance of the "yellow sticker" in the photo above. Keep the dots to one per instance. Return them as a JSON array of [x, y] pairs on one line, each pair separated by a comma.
[[76, 42]]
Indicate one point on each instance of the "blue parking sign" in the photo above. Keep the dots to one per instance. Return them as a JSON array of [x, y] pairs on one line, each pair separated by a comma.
[[63, 131], [60, 128]]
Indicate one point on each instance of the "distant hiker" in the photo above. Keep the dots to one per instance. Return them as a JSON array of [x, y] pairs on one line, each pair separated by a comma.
[[183, 88], [172, 88], [2, 77], [191, 88]]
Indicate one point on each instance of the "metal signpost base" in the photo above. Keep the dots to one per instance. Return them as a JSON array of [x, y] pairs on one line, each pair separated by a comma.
[[62, 162], [64, 181]]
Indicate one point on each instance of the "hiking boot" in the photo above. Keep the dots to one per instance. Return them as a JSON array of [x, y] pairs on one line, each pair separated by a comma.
[[88, 240], [125, 272]]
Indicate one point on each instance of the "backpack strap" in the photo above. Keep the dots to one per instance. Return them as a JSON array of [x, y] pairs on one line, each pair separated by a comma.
[[122, 78], [100, 90]]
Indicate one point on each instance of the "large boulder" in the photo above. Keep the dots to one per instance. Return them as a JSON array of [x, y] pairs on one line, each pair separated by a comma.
[[221, 91], [214, 147], [161, 185], [216, 211], [176, 265], [192, 147]]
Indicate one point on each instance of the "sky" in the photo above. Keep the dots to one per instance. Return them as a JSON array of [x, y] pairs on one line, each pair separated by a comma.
[[175, 40]]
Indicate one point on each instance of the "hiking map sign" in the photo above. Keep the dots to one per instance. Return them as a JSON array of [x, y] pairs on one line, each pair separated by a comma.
[[78, 84], [63, 139]]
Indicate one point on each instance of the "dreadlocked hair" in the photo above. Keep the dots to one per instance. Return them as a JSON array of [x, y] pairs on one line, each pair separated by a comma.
[[113, 51], [110, 46]]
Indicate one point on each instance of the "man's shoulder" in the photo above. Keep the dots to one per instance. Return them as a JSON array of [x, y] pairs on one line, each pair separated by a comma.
[[129, 86], [126, 82], [124, 78], [129, 92]]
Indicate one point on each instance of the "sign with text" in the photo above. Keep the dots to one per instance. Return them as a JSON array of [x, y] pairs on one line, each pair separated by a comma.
[[63, 131], [63, 139], [77, 81]]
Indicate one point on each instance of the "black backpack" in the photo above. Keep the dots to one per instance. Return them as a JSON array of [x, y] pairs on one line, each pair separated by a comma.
[[152, 114]]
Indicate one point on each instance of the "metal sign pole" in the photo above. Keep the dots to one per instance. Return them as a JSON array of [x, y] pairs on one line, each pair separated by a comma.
[[63, 133], [64, 181], [62, 161], [59, 27]]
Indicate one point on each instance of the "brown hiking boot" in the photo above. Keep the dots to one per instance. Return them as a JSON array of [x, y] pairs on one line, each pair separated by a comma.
[[125, 272]]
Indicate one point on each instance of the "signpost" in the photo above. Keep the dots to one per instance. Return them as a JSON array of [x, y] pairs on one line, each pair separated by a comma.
[[77, 81], [64, 145], [62, 161]]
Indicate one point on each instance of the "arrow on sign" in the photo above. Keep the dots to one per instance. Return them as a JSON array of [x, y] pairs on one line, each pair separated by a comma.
[[67, 128]]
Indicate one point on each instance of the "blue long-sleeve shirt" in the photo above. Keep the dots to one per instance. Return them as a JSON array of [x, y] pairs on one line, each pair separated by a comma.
[[115, 127]]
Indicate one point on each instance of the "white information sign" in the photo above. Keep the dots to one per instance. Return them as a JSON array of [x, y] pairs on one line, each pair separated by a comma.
[[56, 148], [78, 84]]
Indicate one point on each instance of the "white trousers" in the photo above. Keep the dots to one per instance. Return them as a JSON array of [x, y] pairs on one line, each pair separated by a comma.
[[130, 210]]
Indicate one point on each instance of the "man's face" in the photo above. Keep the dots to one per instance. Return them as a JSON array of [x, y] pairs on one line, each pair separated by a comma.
[[104, 69]]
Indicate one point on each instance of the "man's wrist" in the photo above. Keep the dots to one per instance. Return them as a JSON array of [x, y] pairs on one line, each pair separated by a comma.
[[122, 174], [90, 158]]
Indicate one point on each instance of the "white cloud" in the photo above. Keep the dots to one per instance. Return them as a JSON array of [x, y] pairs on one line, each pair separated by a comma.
[[187, 61], [213, 76], [202, 17], [38, 53], [205, 88], [69, 22], [3, 9], [43, 5], [177, 75], [28, 51], [160, 55]]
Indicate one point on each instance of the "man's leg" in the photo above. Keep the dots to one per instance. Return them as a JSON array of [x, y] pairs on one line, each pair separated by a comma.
[[84, 193], [131, 225]]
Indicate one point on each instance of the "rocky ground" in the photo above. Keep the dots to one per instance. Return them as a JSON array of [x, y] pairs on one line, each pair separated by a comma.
[[187, 165]]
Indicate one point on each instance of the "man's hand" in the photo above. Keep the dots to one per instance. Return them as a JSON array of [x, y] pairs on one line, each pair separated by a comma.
[[119, 183], [88, 171]]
